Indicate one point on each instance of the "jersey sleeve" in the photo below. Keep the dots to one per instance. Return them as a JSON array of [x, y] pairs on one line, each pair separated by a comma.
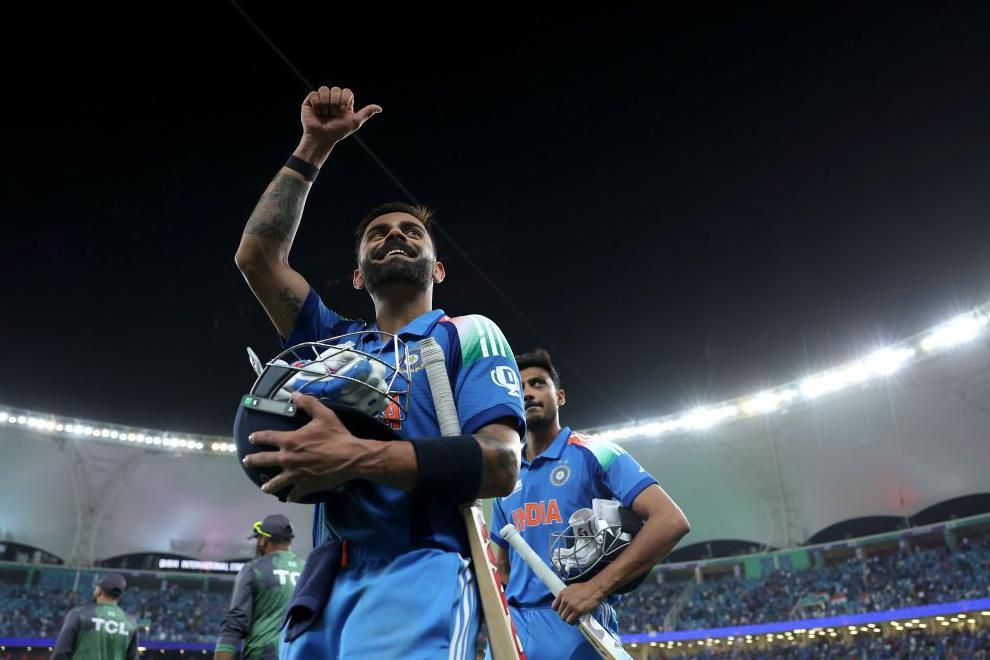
[[66, 642], [236, 623], [498, 522], [619, 472], [486, 379], [316, 321]]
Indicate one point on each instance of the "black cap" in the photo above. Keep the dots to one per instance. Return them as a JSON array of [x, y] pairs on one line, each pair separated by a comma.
[[113, 584], [276, 525]]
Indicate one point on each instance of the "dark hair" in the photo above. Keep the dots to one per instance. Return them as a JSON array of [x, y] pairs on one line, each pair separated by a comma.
[[280, 540], [421, 213], [538, 358]]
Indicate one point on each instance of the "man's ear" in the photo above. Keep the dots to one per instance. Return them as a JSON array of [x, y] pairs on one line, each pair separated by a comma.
[[357, 279], [561, 398], [439, 272]]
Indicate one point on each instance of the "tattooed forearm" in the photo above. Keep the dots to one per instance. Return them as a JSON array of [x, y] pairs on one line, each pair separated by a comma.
[[280, 209], [501, 460], [291, 301]]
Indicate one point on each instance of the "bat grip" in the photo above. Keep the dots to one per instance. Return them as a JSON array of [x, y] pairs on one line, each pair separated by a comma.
[[538, 566]]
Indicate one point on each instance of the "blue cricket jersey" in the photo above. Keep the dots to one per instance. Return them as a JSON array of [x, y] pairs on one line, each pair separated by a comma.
[[569, 473], [486, 385]]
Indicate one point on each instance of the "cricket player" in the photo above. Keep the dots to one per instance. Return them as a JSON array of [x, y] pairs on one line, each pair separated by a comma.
[[404, 588], [100, 631], [261, 593], [563, 471]]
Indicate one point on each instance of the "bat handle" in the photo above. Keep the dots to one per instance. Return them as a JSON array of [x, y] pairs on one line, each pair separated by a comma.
[[533, 560]]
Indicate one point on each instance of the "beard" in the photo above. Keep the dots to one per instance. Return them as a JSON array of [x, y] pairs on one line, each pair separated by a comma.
[[541, 419], [417, 273], [257, 550]]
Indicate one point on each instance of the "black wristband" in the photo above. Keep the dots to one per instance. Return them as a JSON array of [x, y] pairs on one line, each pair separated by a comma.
[[308, 170], [448, 467]]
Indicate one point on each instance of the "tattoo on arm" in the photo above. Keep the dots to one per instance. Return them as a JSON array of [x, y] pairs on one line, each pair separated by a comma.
[[501, 460], [291, 301], [280, 209]]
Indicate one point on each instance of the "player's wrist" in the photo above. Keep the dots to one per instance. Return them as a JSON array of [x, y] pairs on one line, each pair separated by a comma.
[[387, 462], [604, 584], [313, 151]]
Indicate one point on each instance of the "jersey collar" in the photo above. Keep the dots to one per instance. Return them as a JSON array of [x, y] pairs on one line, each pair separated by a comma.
[[421, 326], [556, 448]]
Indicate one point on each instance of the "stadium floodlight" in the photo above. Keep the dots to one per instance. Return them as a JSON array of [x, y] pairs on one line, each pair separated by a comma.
[[957, 331], [766, 402], [813, 387], [700, 419], [22, 420], [888, 360], [3, 416]]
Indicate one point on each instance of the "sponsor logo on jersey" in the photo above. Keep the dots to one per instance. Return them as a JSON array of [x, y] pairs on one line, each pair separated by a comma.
[[532, 514], [284, 576], [506, 377], [110, 626]]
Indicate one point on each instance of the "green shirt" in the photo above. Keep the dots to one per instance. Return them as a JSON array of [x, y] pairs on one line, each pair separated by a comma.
[[97, 632], [261, 594]]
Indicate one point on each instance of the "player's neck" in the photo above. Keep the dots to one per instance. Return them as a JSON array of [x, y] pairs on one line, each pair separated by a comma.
[[394, 309], [103, 600], [537, 440]]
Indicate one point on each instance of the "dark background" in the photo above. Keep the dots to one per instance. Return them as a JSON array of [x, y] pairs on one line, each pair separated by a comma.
[[687, 206]]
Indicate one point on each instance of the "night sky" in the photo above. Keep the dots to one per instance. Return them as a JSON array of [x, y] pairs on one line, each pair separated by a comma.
[[688, 207]]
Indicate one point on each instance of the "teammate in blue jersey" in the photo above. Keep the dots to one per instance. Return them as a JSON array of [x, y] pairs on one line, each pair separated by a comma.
[[563, 471], [404, 588]]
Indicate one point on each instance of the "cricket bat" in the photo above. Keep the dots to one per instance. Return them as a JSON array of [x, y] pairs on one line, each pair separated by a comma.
[[603, 641], [502, 635]]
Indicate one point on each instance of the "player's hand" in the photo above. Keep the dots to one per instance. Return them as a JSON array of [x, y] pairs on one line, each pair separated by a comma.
[[328, 116], [576, 600], [316, 457]]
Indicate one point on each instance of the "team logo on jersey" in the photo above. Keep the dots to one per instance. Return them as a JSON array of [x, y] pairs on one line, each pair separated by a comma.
[[506, 377], [412, 363], [560, 475]]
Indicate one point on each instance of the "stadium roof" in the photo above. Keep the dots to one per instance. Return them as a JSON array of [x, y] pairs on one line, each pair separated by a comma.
[[886, 435]]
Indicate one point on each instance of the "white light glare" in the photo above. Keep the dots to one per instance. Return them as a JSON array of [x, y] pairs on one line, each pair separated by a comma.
[[889, 360], [957, 331], [767, 402], [705, 418]]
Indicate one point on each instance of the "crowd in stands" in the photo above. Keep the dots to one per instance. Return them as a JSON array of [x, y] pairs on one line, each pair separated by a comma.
[[957, 645], [908, 578], [173, 614]]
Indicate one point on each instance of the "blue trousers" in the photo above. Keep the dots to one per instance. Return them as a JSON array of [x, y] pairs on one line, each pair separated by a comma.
[[545, 636], [420, 604]]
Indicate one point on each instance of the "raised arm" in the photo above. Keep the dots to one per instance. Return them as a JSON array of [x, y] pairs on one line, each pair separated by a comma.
[[327, 116]]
